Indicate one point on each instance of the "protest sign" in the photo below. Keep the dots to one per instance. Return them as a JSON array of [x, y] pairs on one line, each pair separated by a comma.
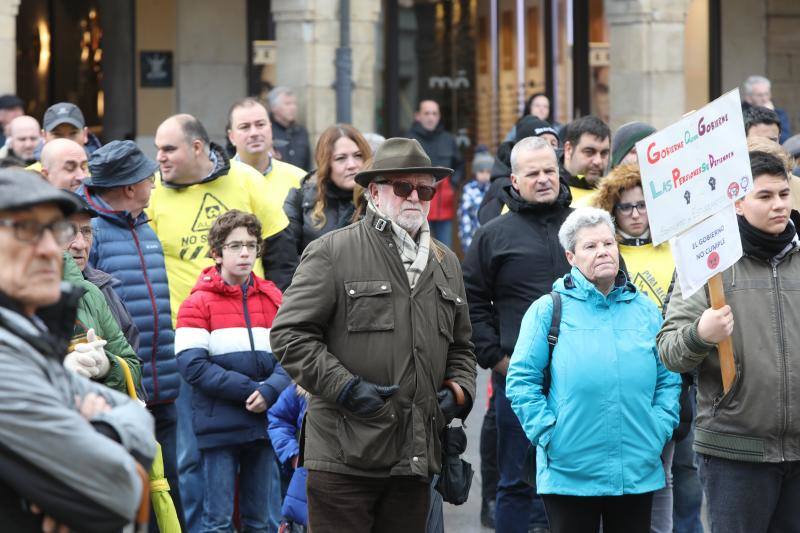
[[695, 167], [706, 249]]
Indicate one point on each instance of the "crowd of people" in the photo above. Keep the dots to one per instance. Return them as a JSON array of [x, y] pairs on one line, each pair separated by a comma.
[[265, 337]]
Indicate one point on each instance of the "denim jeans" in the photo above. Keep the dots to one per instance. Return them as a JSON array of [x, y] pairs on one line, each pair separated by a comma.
[[519, 508], [687, 492], [442, 230], [166, 416], [751, 497], [255, 464], [189, 468], [661, 517]]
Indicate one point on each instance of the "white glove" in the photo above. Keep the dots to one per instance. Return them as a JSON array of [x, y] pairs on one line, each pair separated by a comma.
[[94, 348], [82, 364]]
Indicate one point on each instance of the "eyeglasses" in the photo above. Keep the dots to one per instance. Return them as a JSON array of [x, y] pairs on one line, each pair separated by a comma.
[[237, 246], [403, 189], [31, 231], [627, 209]]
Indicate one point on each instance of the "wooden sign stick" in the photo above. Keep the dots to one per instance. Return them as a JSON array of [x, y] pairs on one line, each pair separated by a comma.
[[724, 348]]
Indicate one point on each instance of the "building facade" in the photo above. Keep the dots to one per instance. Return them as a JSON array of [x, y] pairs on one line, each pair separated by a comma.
[[131, 63]]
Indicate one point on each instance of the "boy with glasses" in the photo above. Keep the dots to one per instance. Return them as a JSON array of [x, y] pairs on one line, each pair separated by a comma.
[[223, 351]]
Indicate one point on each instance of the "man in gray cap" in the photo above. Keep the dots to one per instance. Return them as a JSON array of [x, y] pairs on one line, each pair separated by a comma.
[[375, 326], [72, 452], [126, 247]]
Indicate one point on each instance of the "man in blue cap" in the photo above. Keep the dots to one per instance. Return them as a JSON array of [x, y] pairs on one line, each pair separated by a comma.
[[126, 247]]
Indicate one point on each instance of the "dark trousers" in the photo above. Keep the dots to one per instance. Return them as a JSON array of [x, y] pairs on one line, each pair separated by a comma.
[[687, 493], [356, 504], [751, 497], [166, 418], [582, 514], [519, 508], [488, 449]]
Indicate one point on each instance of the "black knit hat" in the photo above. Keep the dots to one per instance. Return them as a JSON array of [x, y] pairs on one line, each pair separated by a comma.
[[530, 126], [626, 137]]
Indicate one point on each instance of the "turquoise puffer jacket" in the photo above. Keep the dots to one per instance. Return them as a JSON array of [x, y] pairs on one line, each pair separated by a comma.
[[612, 405]]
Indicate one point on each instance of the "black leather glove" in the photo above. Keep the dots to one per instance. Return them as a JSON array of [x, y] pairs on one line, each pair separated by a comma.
[[447, 403], [364, 398]]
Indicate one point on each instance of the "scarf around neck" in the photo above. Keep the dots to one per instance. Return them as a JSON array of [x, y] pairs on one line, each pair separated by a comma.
[[762, 245], [414, 254]]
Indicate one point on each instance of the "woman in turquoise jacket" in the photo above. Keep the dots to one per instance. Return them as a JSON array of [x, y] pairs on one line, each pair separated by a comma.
[[611, 404]]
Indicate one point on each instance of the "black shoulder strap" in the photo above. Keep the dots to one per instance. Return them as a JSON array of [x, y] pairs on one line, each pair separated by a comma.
[[555, 323]]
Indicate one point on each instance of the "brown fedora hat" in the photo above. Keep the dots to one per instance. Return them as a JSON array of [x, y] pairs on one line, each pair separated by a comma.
[[401, 156]]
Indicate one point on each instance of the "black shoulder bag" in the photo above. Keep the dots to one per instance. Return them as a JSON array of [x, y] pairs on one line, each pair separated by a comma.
[[529, 465]]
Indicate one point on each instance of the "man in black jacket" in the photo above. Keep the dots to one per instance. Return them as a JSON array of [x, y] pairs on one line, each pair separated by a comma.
[[513, 260], [443, 150]]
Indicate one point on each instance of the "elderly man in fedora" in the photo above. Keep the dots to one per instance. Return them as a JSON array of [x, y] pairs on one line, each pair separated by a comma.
[[376, 327]]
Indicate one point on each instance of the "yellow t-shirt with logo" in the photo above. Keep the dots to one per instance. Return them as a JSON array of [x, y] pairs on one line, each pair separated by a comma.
[[650, 268], [181, 217]]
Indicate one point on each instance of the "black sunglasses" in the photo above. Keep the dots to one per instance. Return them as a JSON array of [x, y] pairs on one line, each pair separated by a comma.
[[403, 189]]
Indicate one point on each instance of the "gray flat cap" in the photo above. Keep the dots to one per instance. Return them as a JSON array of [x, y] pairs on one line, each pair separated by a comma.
[[21, 189]]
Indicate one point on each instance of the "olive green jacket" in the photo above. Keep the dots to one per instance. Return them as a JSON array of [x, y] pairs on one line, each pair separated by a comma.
[[93, 312], [758, 419], [350, 312]]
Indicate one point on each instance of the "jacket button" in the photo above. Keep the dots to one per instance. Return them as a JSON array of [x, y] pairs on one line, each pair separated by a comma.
[[383, 287], [351, 291], [415, 459], [458, 300]]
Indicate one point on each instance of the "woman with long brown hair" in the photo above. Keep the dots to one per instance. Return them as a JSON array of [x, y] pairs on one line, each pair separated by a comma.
[[324, 200]]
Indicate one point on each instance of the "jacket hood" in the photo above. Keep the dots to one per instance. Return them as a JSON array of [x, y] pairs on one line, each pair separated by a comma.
[[417, 129], [516, 203], [577, 286], [211, 280], [72, 273], [222, 165], [611, 187]]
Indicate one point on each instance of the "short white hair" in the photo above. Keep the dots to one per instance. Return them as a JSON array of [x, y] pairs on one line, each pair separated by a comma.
[[529, 144], [274, 96], [752, 81], [583, 217]]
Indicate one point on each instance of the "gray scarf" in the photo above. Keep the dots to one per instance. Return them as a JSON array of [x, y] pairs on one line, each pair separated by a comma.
[[414, 254]]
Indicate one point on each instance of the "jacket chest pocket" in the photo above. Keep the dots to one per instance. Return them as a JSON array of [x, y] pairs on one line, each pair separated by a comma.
[[446, 307], [370, 306]]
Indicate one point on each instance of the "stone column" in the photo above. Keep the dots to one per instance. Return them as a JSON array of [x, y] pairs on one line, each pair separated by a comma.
[[307, 34], [8, 45], [647, 74]]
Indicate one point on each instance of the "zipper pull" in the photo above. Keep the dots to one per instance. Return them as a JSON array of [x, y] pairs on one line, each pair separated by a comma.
[[715, 405], [775, 271]]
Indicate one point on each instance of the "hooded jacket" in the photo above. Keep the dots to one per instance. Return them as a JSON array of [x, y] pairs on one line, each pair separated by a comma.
[[758, 419], [611, 406], [351, 312], [441, 147], [285, 423], [93, 312], [81, 473], [299, 209], [129, 249], [512, 261], [223, 351], [181, 216]]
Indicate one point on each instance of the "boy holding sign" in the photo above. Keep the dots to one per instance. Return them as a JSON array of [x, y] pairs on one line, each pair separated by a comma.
[[749, 437]]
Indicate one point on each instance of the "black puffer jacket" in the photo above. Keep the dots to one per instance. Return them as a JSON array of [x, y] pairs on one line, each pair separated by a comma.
[[299, 205], [512, 261]]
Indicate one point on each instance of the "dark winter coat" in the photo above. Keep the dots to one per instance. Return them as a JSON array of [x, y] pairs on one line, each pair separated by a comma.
[[441, 147], [299, 206], [128, 249], [351, 312], [106, 283], [512, 261], [297, 150], [223, 351]]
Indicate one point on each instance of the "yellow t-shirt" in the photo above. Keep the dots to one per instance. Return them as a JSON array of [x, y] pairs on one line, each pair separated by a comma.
[[182, 217], [650, 268], [37, 166], [581, 197], [282, 178]]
